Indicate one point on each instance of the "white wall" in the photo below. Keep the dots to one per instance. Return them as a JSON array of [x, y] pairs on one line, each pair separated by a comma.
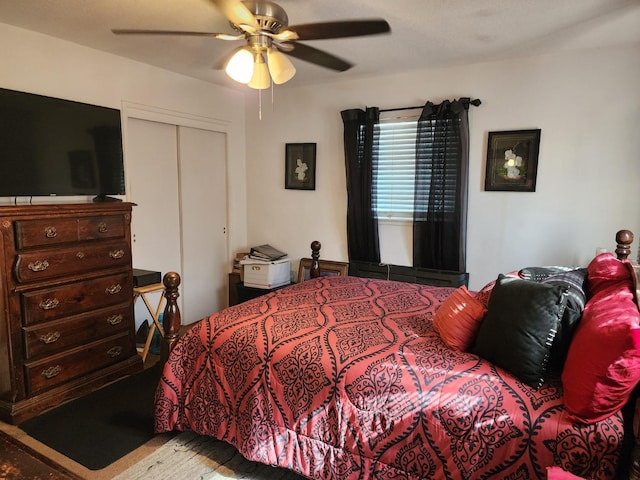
[[587, 105], [44, 65]]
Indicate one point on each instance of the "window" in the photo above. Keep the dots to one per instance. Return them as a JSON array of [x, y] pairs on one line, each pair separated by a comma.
[[394, 172], [388, 159]]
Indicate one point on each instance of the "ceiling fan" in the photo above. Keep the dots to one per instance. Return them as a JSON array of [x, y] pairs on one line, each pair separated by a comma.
[[264, 26]]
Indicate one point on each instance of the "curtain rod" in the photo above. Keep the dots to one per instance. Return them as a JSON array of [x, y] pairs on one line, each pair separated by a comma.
[[475, 102]]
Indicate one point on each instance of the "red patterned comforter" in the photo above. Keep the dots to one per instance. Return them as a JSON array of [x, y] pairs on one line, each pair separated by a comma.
[[344, 378]]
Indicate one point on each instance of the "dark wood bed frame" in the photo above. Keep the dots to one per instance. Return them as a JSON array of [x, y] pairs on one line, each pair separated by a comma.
[[172, 322]]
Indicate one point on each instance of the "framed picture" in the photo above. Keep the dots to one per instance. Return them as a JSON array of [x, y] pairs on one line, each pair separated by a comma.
[[327, 269], [300, 166], [512, 160]]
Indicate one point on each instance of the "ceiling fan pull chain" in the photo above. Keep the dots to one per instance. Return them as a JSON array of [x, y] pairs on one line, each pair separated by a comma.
[[259, 104]]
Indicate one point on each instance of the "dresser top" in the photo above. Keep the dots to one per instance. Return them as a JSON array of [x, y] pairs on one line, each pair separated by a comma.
[[11, 210]]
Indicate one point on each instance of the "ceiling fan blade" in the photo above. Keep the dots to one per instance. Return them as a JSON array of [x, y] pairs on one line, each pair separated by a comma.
[[313, 55], [237, 13], [219, 36], [338, 29]]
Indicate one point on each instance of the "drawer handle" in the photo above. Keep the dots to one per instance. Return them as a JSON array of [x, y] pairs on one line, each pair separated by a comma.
[[115, 319], [52, 371], [114, 351], [116, 254], [38, 266], [80, 255], [102, 227], [49, 303], [113, 289], [50, 232], [50, 337]]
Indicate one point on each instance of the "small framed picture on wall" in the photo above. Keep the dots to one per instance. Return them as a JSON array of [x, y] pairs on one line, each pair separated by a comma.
[[300, 166], [512, 160]]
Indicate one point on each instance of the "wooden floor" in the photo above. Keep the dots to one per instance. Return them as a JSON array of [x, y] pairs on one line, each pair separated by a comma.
[[19, 462]]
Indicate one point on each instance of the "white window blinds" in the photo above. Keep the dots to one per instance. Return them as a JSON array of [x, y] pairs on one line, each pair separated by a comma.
[[394, 173]]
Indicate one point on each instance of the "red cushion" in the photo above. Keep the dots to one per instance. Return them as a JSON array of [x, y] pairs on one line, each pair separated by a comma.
[[605, 270], [484, 294], [458, 319], [603, 362], [557, 473]]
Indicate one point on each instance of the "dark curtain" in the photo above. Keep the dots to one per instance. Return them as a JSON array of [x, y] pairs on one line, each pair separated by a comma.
[[361, 135], [441, 183]]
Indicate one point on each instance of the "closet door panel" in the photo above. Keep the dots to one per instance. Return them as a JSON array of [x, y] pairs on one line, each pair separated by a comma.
[[152, 171], [203, 212]]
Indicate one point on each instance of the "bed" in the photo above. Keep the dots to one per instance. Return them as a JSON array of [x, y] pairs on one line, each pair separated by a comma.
[[343, 377]]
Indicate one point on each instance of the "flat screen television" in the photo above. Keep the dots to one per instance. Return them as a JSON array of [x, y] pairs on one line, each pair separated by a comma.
[[50, 146]]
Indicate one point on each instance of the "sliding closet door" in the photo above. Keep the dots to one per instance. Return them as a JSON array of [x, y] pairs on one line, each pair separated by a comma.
[[203, 209], [177, 177], [152, 171]]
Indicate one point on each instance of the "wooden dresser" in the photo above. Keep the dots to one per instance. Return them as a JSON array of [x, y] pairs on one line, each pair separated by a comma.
[[66, 303]]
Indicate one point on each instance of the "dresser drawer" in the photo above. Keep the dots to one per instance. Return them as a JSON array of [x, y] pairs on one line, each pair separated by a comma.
[[47, 304], [47, 264], [54, 231], [57, 369], [57, 335], [95, 228], [50, 231]]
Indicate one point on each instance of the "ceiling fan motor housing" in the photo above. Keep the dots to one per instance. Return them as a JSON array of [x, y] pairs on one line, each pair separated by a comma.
[[270, 16]]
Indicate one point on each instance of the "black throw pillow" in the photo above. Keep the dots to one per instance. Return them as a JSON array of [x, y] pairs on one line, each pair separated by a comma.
[[518, 330], [576, 283], [537, 274]]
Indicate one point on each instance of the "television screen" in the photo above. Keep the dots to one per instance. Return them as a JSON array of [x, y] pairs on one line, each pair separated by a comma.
[[50, 146]]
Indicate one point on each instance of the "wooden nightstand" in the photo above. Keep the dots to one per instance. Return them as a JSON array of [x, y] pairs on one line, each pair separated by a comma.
[[234, 280], [238, 293]]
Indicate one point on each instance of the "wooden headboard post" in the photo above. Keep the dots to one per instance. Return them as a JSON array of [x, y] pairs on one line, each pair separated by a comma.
[[624, 239], [315, 255], [171, 318]]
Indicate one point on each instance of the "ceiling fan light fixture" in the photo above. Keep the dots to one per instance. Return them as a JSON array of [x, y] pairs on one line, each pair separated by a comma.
[[260, 80], [240, 66], [280, 67]]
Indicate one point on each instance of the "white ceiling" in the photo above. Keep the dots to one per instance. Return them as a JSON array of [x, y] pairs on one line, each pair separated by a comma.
[[424, 33]]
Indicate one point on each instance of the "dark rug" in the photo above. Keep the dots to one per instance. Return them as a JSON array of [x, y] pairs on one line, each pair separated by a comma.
[[99, 428], [19, 462]]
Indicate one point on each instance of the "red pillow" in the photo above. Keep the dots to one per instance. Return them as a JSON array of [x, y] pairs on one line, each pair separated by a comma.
[[557, 473], [484, 294], [458, 319], [603, 362]]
